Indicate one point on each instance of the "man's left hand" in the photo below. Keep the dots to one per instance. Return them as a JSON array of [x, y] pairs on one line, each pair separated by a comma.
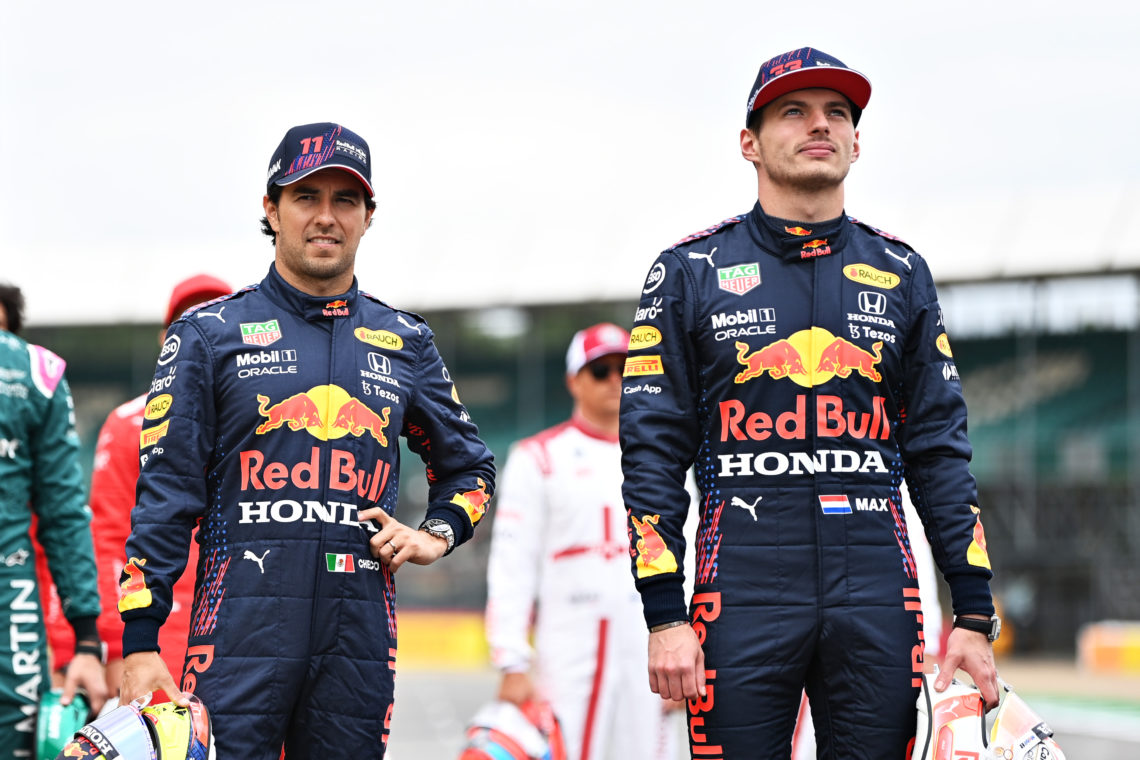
[[971, 651], [85, 671], [397, 543]]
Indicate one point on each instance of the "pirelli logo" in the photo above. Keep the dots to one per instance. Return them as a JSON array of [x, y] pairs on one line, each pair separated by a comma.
[[151, 436], [643, 365]]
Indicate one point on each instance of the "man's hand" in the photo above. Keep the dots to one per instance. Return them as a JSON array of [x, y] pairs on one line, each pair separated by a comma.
[[86, 671], [971, 651], [516, 688], [145, 672], [676, 663], [397, 543]]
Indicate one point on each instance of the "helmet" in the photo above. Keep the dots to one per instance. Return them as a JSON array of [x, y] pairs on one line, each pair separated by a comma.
[[954, 723], [503, 731], [163, 731], [56, 723]]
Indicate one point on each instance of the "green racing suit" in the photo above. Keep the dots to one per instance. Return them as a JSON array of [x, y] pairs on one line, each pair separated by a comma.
[[40, 475]]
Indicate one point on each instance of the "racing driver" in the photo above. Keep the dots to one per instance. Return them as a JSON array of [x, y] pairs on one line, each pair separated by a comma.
[[799, 360], [272, 424]]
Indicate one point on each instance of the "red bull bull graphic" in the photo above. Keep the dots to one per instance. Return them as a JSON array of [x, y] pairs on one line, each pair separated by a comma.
[[977, 554], [653, 556], [813, 248], [842, 357], [778, 359], [326, 412], [474, 503], [800, 231], [133, 593], [357, 418], [337, 308], [808, 358]]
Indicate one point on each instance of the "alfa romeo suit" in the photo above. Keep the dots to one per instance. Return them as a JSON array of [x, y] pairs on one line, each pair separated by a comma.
[[272, 421], [805, 371], [560, 560]]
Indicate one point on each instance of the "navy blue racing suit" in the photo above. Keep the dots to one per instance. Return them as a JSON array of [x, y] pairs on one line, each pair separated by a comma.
[[804, 371], [271, 422]]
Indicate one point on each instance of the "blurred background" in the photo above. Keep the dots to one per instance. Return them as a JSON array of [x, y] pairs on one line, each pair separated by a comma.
[[530, 160]]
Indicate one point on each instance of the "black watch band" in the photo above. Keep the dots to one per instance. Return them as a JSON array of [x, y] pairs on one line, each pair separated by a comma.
[[991, 628]]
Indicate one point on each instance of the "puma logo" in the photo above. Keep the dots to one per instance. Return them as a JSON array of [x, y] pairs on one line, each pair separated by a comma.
[[739, 502], [706, 256], [406, 323], [903, 259], [250, 555], [213, 314]]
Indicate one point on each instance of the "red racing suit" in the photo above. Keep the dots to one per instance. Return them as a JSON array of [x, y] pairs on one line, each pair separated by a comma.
[[272, 421], [560, 560], [805, 371]]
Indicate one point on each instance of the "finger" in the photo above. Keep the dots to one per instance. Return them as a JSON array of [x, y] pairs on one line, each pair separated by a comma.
[[653, 684], [701, 686], [376, 513]]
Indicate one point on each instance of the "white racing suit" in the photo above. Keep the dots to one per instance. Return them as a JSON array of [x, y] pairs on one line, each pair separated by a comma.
[[560, 544]]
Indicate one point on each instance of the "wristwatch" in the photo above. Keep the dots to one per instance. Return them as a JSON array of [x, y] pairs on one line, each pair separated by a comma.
[[440, 529], [991, 628]]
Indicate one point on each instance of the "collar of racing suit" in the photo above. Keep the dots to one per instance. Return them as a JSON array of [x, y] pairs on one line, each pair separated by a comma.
[[312, 308], [798, 240]]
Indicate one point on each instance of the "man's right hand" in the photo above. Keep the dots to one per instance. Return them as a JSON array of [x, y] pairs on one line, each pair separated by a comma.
[[516, 688], [145, 672], [676, 663]]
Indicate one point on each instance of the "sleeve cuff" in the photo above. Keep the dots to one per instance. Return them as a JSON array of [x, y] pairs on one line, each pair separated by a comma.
[[140, 635], [85, 628], [662, 601], [970, 595]]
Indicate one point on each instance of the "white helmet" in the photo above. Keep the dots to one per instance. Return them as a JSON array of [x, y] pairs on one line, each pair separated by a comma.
[[502, 731], [162, 731], [954, 724]]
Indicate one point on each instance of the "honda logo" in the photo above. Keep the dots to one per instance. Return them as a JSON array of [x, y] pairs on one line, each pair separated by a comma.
[[872, 303], [380, 363]]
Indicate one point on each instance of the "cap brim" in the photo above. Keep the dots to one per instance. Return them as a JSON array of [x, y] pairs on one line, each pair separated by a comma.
[[297, 177], [852, 84]]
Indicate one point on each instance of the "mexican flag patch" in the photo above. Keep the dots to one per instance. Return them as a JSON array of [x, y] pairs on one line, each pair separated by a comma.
[[340, 563]]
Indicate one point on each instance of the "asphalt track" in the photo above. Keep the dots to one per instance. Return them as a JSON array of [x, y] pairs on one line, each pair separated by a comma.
[[1093, 716]]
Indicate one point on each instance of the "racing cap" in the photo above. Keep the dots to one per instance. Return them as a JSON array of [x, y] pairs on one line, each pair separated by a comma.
[[193, 291], [593, 342], [805, 68], [310, 147]]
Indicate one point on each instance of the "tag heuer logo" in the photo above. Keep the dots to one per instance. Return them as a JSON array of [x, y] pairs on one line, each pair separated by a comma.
[[260, 333], [739, 279]]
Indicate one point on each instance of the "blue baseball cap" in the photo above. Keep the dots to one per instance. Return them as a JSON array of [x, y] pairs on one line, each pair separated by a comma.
[[805, 68], [311, 147]]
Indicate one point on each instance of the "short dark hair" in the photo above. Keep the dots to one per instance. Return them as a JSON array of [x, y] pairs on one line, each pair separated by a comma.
[[274, 194], [13, 300]]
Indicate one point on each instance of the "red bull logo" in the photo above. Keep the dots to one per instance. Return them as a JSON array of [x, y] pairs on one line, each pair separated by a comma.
[[797, 231], [133, 592], [474, 503], [814, 248], [843, 357], [653, 556], [357, 418], [337, 308], [808, 358], [325, 412], [778, 359]]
